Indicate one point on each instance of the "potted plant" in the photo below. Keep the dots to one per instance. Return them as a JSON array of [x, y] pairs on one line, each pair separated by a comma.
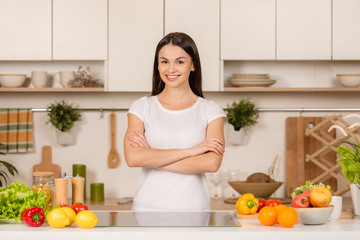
[[6, 169], [63, 116], [240, 115], [350, 165]]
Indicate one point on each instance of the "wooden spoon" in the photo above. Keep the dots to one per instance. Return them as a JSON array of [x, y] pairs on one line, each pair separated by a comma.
[[113, 159]]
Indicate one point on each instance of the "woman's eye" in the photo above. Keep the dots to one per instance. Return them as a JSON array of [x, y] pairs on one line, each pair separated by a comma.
[[164, 62], [180, 62]]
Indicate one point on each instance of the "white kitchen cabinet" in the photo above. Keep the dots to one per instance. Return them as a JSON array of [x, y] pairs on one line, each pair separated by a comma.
[[303, 29], [248, 29], [80, 29], [135, 28], [25, 28], [346, 31], [200, 20]]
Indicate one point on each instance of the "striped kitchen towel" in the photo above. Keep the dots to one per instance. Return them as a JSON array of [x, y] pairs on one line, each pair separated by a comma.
[[16, 130]]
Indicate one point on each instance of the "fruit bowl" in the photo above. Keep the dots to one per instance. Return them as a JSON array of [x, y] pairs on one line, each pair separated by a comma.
[[314, 215], [260, 190]]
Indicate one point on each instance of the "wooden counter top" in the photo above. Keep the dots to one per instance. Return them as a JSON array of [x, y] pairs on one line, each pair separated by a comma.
[[215, 204], [113, 204]]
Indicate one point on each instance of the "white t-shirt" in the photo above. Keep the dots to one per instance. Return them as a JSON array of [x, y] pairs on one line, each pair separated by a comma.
[[169, 129]]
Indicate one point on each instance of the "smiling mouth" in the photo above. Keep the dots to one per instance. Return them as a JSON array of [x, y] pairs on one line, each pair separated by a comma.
[[172, 77]]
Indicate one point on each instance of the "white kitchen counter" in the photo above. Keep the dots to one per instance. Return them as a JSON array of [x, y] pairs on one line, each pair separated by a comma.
[[250, 229]]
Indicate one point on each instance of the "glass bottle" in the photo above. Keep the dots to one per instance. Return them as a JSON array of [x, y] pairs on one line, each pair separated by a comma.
[[44, 181]]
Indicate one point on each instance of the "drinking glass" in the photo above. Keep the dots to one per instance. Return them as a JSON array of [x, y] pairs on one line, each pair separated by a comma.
[[234, 175], [216, 178]]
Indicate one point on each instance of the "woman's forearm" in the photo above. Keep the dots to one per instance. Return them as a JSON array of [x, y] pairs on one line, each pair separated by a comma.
[[207, 162], [153, 158]]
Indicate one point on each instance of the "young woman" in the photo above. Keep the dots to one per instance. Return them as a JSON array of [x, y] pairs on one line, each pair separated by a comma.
[[175, 135]]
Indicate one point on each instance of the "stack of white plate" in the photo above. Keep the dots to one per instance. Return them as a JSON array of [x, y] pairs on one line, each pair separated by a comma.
[[251, 80]]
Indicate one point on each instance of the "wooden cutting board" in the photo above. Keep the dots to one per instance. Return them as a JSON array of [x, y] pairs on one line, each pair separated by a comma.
[[344, 215], [297, 146], [46, 165]]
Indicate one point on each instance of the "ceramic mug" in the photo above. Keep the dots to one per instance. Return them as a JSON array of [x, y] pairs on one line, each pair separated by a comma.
[[39, 78], [336, 201], [65, 77]]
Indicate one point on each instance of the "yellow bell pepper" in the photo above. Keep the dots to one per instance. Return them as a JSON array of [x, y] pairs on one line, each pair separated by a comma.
[[247, 204]]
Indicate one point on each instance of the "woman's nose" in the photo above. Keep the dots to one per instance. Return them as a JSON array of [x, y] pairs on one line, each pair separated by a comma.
[[171, 67]]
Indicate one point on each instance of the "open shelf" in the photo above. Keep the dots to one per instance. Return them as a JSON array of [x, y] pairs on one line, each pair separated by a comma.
[[45, 90], [270, 89]]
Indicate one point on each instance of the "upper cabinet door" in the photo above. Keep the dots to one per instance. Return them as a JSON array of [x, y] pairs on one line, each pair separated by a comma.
[[79, 29], [25, 28], [135, 28], [248, 29], [304, 29], [346, 31], [200, 20]]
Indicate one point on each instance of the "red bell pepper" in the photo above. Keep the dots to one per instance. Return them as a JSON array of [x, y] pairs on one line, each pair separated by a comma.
[[262, 203], [33, 217], [273, 203]]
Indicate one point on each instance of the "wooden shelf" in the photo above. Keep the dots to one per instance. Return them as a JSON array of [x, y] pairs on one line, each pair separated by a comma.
[[270, 89], [45, 90]]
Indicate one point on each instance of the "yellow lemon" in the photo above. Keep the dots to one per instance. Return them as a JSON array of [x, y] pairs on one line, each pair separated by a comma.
[[70, 214], [57, 218], [86, 219]]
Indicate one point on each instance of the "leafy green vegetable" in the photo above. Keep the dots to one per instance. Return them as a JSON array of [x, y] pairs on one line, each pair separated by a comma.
[[308, 186], [17, 197], [350, 161]]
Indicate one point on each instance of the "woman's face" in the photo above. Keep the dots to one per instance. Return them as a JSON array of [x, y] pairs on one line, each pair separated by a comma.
[[174, 66]]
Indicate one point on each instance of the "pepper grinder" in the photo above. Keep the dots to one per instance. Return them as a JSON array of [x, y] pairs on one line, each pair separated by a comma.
[[61, 186], [77, 189]]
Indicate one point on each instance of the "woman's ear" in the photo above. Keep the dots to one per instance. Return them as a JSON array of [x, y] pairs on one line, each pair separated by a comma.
[[192, 69]]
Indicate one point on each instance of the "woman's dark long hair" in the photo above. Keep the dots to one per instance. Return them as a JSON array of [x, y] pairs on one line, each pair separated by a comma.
[[188, 45]]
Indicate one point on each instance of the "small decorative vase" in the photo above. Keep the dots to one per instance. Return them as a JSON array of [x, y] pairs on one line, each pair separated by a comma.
[[65, 138], [355, 195], [235, 137]]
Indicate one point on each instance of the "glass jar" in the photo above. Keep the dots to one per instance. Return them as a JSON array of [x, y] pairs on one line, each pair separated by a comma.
[[44, 181]]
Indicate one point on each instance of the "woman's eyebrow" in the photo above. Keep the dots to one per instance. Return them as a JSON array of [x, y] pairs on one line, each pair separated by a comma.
[[175, 59]]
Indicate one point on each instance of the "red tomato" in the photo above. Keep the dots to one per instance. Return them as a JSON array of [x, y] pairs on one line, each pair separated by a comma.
[[272, 203], [262, 203], [78, 207]]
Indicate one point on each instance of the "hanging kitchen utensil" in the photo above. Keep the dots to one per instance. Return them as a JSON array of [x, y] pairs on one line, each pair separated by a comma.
[[46, 165], [113, 159]]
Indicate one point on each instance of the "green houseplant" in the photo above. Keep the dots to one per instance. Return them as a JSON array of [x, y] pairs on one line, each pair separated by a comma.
[[5, 169], [242, 114], [63, 116], [350, 166]]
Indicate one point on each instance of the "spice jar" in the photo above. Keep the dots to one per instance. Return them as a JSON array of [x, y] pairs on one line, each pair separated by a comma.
[[44, 181]]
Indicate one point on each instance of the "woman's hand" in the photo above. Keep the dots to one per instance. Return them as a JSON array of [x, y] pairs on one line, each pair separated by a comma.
[[138, 140], [208, 145]]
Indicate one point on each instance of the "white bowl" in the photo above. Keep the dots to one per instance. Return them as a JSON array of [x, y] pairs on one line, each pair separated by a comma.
[[314, 215], [349, 80], [12, 80]]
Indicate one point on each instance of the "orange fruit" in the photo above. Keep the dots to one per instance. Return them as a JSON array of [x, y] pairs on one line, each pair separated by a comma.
[[280, 208], [288, 218], [268, 216]]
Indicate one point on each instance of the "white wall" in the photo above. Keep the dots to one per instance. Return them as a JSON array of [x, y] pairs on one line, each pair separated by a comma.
[[93, 144]]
